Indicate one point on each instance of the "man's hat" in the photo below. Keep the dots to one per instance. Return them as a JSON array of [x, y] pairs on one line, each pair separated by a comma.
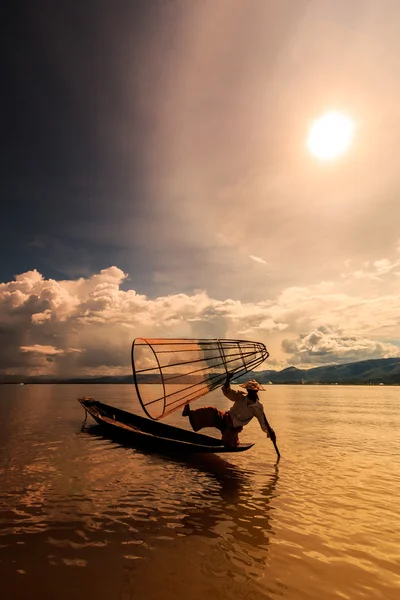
[[252, 384]]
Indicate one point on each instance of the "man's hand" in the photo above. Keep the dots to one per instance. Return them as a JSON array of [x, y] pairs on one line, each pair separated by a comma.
[[228, 379]]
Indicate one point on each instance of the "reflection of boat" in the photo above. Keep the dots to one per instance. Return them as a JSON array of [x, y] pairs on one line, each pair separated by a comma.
[[153, 434]]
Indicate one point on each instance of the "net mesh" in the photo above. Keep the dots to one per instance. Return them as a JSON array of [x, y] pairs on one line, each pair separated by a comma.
[[169, 373]]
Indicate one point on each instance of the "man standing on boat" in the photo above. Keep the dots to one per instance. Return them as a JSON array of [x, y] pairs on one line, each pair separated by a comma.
[[246, 405]]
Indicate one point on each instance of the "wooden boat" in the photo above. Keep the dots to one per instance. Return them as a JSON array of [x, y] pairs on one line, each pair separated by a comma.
[[140, 431]]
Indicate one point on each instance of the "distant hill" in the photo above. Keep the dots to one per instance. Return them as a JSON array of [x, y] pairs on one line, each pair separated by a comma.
[[374, 372], [384, 370]]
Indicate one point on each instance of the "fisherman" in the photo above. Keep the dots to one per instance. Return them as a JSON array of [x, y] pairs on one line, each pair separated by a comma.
[[246, 405]]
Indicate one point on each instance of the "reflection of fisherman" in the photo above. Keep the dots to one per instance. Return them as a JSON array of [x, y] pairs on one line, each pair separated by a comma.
[[231, 423]]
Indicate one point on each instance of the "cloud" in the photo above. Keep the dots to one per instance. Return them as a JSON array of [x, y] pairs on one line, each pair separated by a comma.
[[258, 259], [328, 345], [86, 325], [374, 270], [38, 349]]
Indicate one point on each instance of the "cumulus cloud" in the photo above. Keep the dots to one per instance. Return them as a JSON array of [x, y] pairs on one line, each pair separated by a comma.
[[86, 326], [329, 345]]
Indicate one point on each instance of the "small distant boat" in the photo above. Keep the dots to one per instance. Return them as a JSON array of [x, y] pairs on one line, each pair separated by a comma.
[[140, 431]]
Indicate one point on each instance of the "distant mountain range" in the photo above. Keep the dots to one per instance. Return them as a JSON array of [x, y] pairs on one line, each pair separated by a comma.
[[383, 370], [366, 372]]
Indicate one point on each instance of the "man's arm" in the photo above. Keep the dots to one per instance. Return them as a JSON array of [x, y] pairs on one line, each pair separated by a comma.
[[231, 394], [259, 413], [227, 385]]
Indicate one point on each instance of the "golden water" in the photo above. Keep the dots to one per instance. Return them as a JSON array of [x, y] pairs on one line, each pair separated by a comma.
[[82, 515]]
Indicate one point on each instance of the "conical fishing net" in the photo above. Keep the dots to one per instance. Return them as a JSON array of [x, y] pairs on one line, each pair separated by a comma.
[[169, 373]]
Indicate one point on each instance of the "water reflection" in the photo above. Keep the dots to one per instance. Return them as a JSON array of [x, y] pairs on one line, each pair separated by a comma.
[[80, 514], [216, 516], [216, 498]]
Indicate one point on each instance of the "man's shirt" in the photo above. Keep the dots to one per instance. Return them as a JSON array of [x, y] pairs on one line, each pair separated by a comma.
[[244, 409]]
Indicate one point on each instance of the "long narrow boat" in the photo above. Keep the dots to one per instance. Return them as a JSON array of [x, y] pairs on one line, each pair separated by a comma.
[[140, 431]]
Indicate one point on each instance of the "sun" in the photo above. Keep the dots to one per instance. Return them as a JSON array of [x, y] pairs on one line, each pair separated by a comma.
[[330, 135]]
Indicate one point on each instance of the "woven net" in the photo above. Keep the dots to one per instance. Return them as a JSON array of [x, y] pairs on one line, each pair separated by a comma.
[[169, 373]]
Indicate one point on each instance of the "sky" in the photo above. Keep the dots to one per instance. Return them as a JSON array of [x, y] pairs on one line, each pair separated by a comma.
[[155, 180]]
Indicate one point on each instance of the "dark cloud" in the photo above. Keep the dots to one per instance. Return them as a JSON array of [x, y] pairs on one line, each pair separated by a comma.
[[169, 138], [76, 117]]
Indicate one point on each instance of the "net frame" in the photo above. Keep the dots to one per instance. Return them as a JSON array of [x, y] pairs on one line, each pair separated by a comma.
[[227, 354]]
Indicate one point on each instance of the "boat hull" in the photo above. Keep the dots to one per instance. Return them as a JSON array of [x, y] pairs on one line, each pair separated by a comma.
[[139, 431]]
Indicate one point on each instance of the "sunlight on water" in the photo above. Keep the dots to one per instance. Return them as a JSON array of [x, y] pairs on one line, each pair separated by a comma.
[[81, 514]]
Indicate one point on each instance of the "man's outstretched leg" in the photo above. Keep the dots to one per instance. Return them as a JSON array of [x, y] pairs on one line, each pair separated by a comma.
[[209, 416]]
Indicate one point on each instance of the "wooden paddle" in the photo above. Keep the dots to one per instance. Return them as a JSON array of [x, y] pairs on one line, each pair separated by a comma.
[[272, 435]]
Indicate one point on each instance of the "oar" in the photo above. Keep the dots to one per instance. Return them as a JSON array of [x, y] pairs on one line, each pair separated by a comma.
[[272, 435]]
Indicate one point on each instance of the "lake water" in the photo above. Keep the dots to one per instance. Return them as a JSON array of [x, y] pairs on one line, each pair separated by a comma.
[[81, 515]]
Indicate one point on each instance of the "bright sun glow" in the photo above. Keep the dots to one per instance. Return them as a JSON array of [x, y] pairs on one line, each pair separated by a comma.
[[330, 136]]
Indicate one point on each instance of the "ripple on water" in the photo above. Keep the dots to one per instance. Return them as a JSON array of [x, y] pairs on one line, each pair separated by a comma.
[[321, 524]]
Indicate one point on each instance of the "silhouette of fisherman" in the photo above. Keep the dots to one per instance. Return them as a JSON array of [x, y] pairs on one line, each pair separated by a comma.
[[230, 423]]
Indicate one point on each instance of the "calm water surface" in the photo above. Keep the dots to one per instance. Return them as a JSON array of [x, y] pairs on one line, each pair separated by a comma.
[[82, 515]]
